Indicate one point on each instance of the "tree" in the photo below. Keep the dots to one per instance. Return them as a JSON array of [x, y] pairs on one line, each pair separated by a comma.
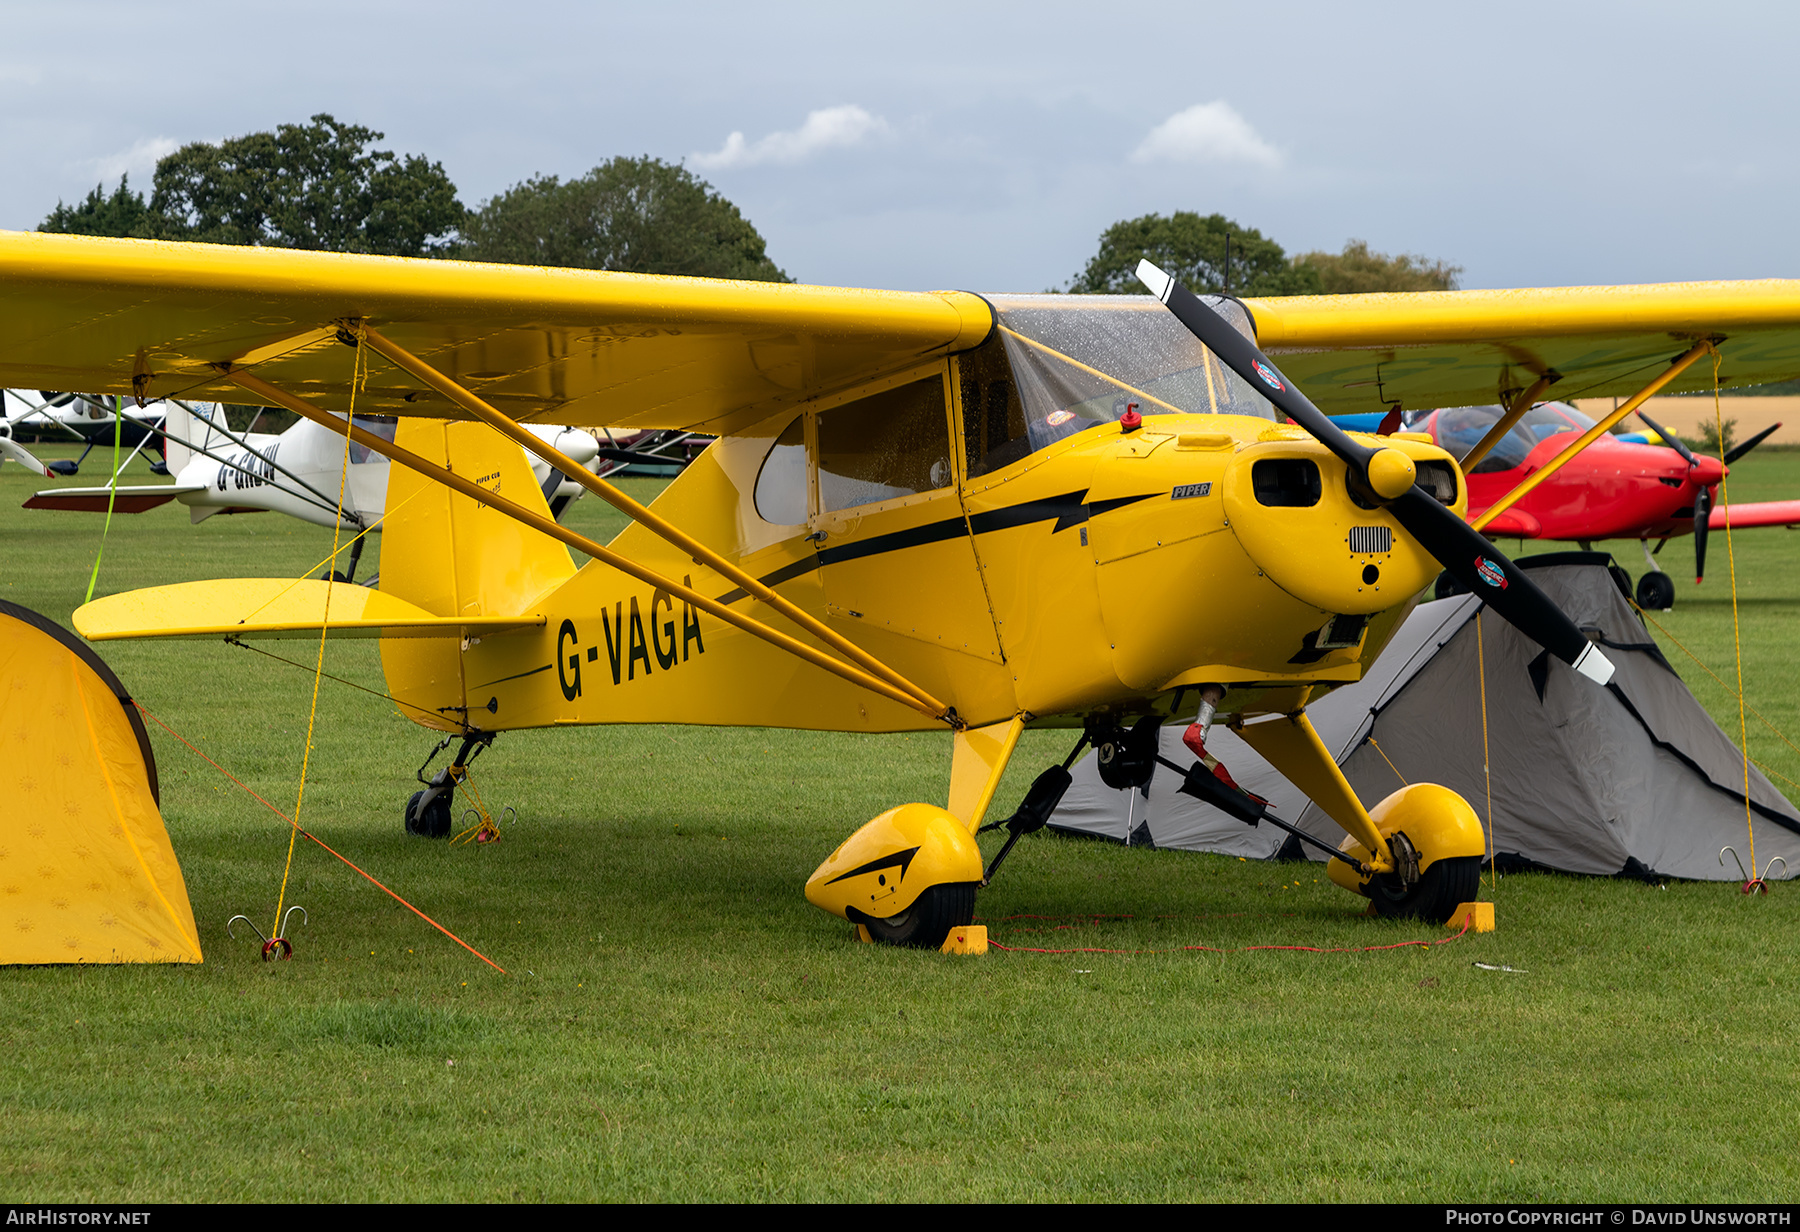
[[316, 186], [638, 215], [123, 213], [1357, 270], [1192, 249]]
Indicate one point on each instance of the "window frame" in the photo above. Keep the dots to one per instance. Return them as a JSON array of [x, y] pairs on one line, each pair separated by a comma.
[[811, 410]]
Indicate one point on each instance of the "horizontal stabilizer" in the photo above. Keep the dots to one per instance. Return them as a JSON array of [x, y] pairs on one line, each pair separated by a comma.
[[128, 499], [1755, 513], [274, 608]]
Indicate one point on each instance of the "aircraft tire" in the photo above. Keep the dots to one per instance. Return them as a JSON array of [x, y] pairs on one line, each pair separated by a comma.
[[1447, 587], [435, 823], [1656, 592], [1443, 887], [925, 924]]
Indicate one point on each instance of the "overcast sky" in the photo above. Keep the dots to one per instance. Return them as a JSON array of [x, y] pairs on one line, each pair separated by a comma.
[[986, 146]]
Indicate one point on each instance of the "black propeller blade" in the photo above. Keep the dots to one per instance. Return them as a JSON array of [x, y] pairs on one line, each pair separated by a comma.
[[1465, 553], [1702, 523], [1702, 501], [1671, 440], [1740, 450]]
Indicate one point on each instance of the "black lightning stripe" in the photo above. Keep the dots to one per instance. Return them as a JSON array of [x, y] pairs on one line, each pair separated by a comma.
[[901, 860], [1069, 509]]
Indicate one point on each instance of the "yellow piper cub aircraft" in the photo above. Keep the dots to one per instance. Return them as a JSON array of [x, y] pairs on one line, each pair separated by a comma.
[[922, 510]]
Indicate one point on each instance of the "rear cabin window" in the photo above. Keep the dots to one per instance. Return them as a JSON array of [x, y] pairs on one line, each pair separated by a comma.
[[781, 484], [891, 444]]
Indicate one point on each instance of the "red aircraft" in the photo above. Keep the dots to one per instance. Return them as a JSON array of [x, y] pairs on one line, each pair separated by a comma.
[[1618, 488]]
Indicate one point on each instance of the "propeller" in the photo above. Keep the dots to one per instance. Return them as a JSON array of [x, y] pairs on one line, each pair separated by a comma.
[[1739, 451], [10, 448], [1675, 442], [1387, 476], [1702, 524], [1702, 498]]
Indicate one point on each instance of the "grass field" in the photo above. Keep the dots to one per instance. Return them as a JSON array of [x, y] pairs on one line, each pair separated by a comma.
[[678, 1023]]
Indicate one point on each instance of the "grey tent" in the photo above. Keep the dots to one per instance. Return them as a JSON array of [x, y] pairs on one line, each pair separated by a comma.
[[1634, 778]]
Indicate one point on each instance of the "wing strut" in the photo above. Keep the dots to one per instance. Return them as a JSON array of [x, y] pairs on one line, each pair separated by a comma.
[[1677, 366], [509, 428], [581, 543], [1508, 421]]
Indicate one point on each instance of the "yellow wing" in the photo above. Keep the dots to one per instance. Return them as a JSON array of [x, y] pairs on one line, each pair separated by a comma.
[[593, 348], [1461, 348], [565, 346]]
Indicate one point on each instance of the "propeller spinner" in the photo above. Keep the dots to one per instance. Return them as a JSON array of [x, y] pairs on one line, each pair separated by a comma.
[[1387, 476]]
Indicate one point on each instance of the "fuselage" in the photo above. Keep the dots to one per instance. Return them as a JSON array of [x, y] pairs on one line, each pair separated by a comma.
[[1010, 539], [1615, 490]]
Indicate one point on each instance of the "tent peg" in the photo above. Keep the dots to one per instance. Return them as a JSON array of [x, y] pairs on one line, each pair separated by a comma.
[[274, 947], [1754, 883]]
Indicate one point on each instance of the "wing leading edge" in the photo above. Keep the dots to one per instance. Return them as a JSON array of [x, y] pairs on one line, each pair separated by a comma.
[[1462, 348], [580, 347], [592, 348]]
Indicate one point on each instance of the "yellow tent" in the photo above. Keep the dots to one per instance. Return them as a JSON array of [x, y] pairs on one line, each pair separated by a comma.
[[86, 870]]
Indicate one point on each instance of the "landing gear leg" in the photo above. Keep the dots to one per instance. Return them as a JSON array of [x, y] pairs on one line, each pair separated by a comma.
[[428, 811], [1655, 590], [1034, 810], [349, 574]]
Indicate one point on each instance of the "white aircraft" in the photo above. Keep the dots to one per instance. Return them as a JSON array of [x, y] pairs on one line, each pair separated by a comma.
[[296, 472], [88, 418]]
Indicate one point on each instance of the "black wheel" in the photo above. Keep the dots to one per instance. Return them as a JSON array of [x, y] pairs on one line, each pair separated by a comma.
[[1656, 592], [1448, 587], [1440, 890], [929, 920], [434, 823], [1621, 579]]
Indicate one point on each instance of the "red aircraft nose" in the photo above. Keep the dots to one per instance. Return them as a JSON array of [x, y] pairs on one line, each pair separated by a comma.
[[1707, 471]]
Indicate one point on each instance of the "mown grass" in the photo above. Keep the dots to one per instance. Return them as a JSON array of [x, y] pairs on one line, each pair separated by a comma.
[[677, 1022]]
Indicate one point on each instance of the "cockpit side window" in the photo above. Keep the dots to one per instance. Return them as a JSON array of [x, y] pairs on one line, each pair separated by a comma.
[[1460, 428], [993, 417], [383, 426], [891, 444]]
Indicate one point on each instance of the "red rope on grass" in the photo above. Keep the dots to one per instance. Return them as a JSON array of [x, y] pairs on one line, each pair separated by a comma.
[[1210, 949], [315, 838]]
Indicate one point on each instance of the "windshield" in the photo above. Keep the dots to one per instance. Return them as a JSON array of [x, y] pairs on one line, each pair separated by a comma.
[[1460, 429], [1082, 359]]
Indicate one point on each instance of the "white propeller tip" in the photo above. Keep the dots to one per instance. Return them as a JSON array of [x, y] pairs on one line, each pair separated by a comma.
[[1594, 665], [1160, 284]]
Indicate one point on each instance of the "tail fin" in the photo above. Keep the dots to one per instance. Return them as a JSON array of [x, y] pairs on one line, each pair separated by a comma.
[[447, 554], [186, 431]]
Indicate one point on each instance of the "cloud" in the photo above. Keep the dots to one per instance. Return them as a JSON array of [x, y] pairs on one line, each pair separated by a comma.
[[140, 159], [826, 129], [1206, 133]]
